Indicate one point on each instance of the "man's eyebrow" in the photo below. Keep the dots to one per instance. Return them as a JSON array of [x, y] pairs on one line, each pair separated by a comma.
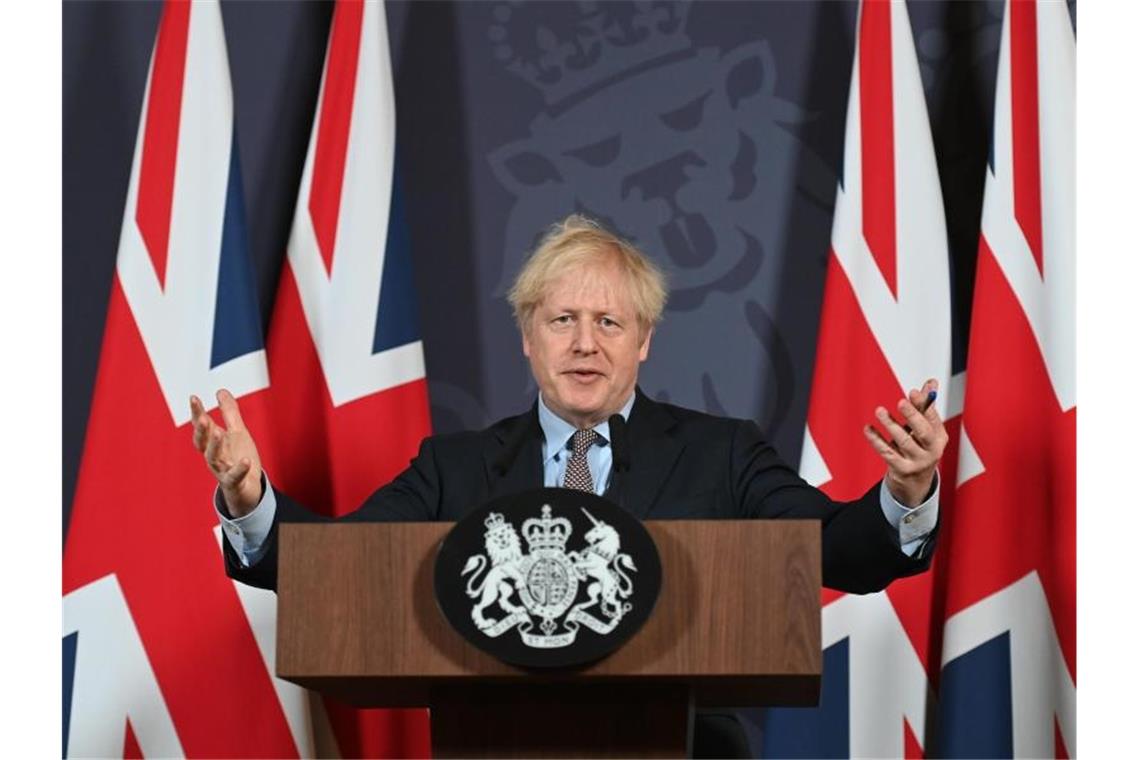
[[597, 313]]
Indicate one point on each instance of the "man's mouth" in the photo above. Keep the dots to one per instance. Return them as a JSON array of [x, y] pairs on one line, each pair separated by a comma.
[[583, 375]]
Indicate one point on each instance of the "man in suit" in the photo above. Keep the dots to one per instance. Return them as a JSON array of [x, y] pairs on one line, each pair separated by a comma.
[[587, 303]]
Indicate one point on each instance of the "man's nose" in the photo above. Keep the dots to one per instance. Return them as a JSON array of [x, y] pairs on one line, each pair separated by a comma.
[[584, 342]]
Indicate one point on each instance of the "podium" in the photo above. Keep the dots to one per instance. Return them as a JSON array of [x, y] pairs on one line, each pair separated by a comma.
[[737, 623]]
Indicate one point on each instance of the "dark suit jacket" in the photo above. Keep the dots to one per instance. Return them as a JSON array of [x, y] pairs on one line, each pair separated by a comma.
[[683, 464]]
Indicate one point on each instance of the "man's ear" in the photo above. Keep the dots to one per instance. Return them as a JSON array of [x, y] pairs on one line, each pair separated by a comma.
[[644, 353], [525, 341]]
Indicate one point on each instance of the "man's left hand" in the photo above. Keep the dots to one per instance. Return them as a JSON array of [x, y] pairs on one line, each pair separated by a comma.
[[913, 451]]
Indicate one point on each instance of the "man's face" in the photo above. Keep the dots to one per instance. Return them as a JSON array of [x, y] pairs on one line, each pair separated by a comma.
[[585, 344]]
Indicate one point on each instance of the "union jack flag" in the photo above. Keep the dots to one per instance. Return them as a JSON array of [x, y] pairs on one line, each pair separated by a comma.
[[977, 657], [164, 655], [1009, 649], [885, 328], [344, 348]]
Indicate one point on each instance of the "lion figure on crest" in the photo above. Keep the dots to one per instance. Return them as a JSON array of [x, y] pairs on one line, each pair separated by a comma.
[[505, 550]]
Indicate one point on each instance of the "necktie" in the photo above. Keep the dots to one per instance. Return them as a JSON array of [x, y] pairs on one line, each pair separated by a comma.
[[578, 469]]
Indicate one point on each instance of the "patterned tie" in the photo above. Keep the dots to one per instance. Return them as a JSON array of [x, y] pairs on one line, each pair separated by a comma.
[[578, 469]]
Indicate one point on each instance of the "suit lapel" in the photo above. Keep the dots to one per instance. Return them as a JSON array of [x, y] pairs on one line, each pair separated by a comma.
[[524, 471], [652, 453]]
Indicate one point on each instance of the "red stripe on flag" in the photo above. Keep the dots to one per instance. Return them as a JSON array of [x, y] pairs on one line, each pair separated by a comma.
[[333, 129], [912, 749], [843, 402], [160, 138], [877, 129], [131, 749], [1026, 125]]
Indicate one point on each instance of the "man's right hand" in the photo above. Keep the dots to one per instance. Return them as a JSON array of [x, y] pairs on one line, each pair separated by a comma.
[[230, 453]]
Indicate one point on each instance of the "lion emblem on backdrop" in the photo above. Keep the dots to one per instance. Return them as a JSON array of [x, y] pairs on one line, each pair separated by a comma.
[[686, 150]]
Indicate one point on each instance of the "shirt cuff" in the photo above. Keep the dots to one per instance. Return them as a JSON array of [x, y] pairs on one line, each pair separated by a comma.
[[913, 525], [247, 535]]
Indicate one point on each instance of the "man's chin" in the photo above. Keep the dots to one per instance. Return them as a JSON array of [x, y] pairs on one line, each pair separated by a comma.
[[581, 408]]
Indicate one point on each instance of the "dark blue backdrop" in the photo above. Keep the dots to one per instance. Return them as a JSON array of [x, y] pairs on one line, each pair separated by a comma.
[[711, 133]]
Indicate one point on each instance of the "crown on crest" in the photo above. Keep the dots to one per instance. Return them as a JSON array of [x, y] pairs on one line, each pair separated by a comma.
[[498, 530], [563, 49], [547, 532]]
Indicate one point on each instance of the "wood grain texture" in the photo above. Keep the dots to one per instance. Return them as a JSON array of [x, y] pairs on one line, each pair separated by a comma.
[[737, 621]]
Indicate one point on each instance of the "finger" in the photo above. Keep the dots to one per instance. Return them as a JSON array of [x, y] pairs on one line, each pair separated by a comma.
[[919, 426], [930, 386], [901, 437], [202, 428], [231, 414], [196, 412], [233, 476], [214, 454], [881, 447], [922, 398], [931, 415]]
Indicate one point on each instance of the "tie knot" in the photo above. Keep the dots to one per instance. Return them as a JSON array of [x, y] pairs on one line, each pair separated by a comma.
[[583, 440]]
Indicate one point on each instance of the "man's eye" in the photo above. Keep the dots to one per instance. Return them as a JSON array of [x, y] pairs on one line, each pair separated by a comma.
[[607, 322], [562, 320]]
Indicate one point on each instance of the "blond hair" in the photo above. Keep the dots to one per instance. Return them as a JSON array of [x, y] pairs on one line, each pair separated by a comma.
[[578, 240]]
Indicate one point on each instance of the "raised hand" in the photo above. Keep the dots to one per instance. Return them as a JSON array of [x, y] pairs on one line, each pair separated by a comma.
[[230, 453], [915, 447]]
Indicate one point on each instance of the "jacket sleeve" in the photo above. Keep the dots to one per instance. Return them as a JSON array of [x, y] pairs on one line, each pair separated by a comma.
[[861, 551], [413, 496]]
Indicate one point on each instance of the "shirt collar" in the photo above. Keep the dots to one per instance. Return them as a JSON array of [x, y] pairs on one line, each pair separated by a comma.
[[558, 431]]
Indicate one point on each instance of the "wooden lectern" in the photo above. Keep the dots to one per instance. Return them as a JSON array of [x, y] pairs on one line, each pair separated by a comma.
[[737, 624]]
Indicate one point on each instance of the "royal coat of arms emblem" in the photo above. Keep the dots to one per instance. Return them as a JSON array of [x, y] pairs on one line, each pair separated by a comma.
[[547, 594], [547, 578]]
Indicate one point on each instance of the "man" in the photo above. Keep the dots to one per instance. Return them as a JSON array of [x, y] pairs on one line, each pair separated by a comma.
[[587, 303]]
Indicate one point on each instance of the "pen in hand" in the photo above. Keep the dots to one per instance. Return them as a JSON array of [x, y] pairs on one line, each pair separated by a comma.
[[930, 397]]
